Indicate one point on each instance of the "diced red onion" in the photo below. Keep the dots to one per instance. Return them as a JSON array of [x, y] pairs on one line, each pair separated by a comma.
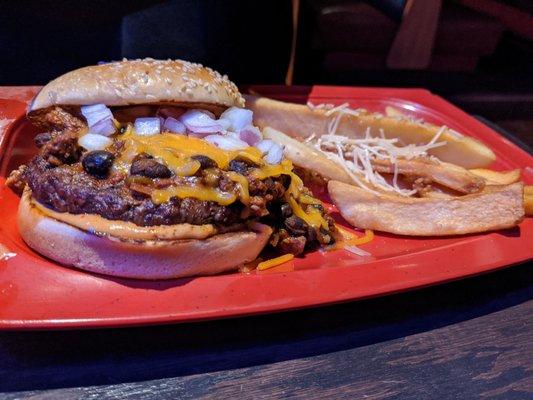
[[93, 142], [174, 126], [199, 121], [226, 142], [95, 113], [147, 126], [250, 134], [105, 127], [274, 151], [239, 118], [264, 145]]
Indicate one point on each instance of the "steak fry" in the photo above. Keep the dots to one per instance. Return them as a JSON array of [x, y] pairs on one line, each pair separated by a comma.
[[300, 121], [496, 207], [445, 174], [528, 200], [307, 157], [497, 177]]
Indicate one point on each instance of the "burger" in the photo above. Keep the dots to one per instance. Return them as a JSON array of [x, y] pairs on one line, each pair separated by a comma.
[[153, 169]]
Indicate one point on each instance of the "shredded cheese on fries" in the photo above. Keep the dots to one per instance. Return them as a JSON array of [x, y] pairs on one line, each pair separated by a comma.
[[355, 155]]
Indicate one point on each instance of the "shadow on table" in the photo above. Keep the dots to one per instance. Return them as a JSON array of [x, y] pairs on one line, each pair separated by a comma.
[[47, 360]]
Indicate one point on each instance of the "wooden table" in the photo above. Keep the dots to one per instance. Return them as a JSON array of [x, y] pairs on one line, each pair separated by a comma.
[[463, 340]]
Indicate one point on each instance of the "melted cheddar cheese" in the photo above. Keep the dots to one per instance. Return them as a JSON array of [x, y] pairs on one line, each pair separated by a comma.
[[244, 194], [273, 262], [184, 147], [285, 167], [351, 239], [312, 216], [175, 151]]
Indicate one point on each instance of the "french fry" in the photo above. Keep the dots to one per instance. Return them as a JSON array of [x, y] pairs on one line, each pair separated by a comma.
[[394, 112], [496, 207], [306, 157], [300, 121], [497, 178], [437, 194], [445, 174], [528, 200]]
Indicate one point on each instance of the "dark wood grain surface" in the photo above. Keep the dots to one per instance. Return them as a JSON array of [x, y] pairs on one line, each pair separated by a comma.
[[471, 339]]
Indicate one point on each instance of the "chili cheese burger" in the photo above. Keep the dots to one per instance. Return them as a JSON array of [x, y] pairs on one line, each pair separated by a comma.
[[153, 169]]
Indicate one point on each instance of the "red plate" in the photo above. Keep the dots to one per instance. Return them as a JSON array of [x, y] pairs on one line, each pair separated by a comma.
[[37, 293]]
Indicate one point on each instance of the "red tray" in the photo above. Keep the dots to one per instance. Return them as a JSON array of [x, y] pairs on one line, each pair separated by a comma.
[[37, 293]]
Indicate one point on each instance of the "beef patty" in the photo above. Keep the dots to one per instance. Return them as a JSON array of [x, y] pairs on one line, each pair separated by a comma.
[[68, 188]]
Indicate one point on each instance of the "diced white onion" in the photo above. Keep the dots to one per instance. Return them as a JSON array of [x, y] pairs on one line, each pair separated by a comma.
[[272, 151], [234, 135], [274, 155], [95, 113], [174, 126], [93, 142], [147, 126], [224, 123], [226, 142], [238, 117], [250, 134], [200, 121], [264, 145]]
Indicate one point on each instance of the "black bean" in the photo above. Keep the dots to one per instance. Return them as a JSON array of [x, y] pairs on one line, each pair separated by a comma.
[[286, 210], [98, 163], [205, 162], [239, 166], [150, 168], [42, 138]]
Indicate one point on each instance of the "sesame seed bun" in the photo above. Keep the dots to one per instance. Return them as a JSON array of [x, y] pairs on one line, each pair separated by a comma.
[[154, 259], [147, 81]]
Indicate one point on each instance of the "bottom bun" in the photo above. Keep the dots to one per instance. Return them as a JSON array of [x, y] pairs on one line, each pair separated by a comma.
[[157, 259]]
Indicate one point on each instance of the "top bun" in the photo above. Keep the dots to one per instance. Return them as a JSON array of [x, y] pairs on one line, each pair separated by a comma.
[[145, 81]]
